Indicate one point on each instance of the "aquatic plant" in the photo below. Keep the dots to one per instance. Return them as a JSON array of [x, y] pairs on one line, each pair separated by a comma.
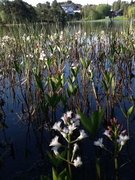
[[68, 128]]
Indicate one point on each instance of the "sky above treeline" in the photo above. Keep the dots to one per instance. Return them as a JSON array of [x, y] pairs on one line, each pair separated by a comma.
[[83, 2]]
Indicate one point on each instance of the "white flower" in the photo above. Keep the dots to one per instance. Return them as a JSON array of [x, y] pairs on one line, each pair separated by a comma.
[[55, 142], [64, 118], [28, 38], [56, 126], [75, 148], [107, 133], [77, 116], [71, 128], [42, 56], [122, 139], [77, 162], [76, 120], [99, 142], [67, 116], [55, 150], [64, 132], [82, 135]]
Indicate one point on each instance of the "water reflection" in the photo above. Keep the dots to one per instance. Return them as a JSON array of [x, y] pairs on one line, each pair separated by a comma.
[[90, 27]]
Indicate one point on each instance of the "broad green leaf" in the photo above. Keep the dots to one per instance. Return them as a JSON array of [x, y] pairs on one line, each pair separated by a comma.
[[63, 175], [39, 81], [130, 111], [54, 174], [42, 177], [55, 160], [93, 123], [86, 122]]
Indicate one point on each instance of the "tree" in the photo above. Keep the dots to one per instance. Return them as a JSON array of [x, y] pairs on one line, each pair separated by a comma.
[[116, 5], [17, 11], [103, 10], [43, 12], [57, 12], [131, 12], [93, 14]]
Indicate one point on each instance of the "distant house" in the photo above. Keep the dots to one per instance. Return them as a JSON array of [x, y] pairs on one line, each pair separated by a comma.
[[113, 14], [119, 12], [71, 8]]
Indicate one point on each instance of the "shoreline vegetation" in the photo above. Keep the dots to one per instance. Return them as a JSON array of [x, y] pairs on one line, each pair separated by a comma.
[[18, 11]]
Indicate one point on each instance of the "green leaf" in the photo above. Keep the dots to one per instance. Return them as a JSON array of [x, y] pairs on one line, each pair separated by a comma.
[[17, 67], [55, 160], [54, 174], [63, 175], [86, 122], [130, 111], [105, 85], [98, 170], [39, 81], [92, 124], [113, 84], [42, 177]]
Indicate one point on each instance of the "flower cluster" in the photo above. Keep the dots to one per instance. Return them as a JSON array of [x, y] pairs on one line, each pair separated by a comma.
[[115, 134], [66, 127]]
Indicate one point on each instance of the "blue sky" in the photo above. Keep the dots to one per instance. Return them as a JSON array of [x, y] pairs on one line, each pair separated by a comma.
[[83, 2]]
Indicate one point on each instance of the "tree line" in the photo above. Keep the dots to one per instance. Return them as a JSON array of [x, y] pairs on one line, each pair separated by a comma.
[[94, 12], [20, 11]]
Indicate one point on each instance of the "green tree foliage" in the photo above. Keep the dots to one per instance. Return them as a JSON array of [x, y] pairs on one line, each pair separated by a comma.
[[124, 6], [116, 5], [57, 12], [50, 13], [44, 12], [90, 13], [120, 5], [20, 11], [96, 12], [16, 11], [131, 12], [93, 14], [103, 10]]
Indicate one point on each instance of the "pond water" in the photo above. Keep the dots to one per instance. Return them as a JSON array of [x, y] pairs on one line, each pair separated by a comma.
[[24, 133]]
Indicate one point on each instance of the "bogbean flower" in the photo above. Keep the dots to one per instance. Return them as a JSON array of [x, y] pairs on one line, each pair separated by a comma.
[[55, 145], [77, 162], [107, 133], [82, 135], [55, 150], [42, 56], [57, 126], [66, 128], [115, 134], [75, 148], [67, 116], [71, 128], [55, 142], [122, 139], [99, 142]]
